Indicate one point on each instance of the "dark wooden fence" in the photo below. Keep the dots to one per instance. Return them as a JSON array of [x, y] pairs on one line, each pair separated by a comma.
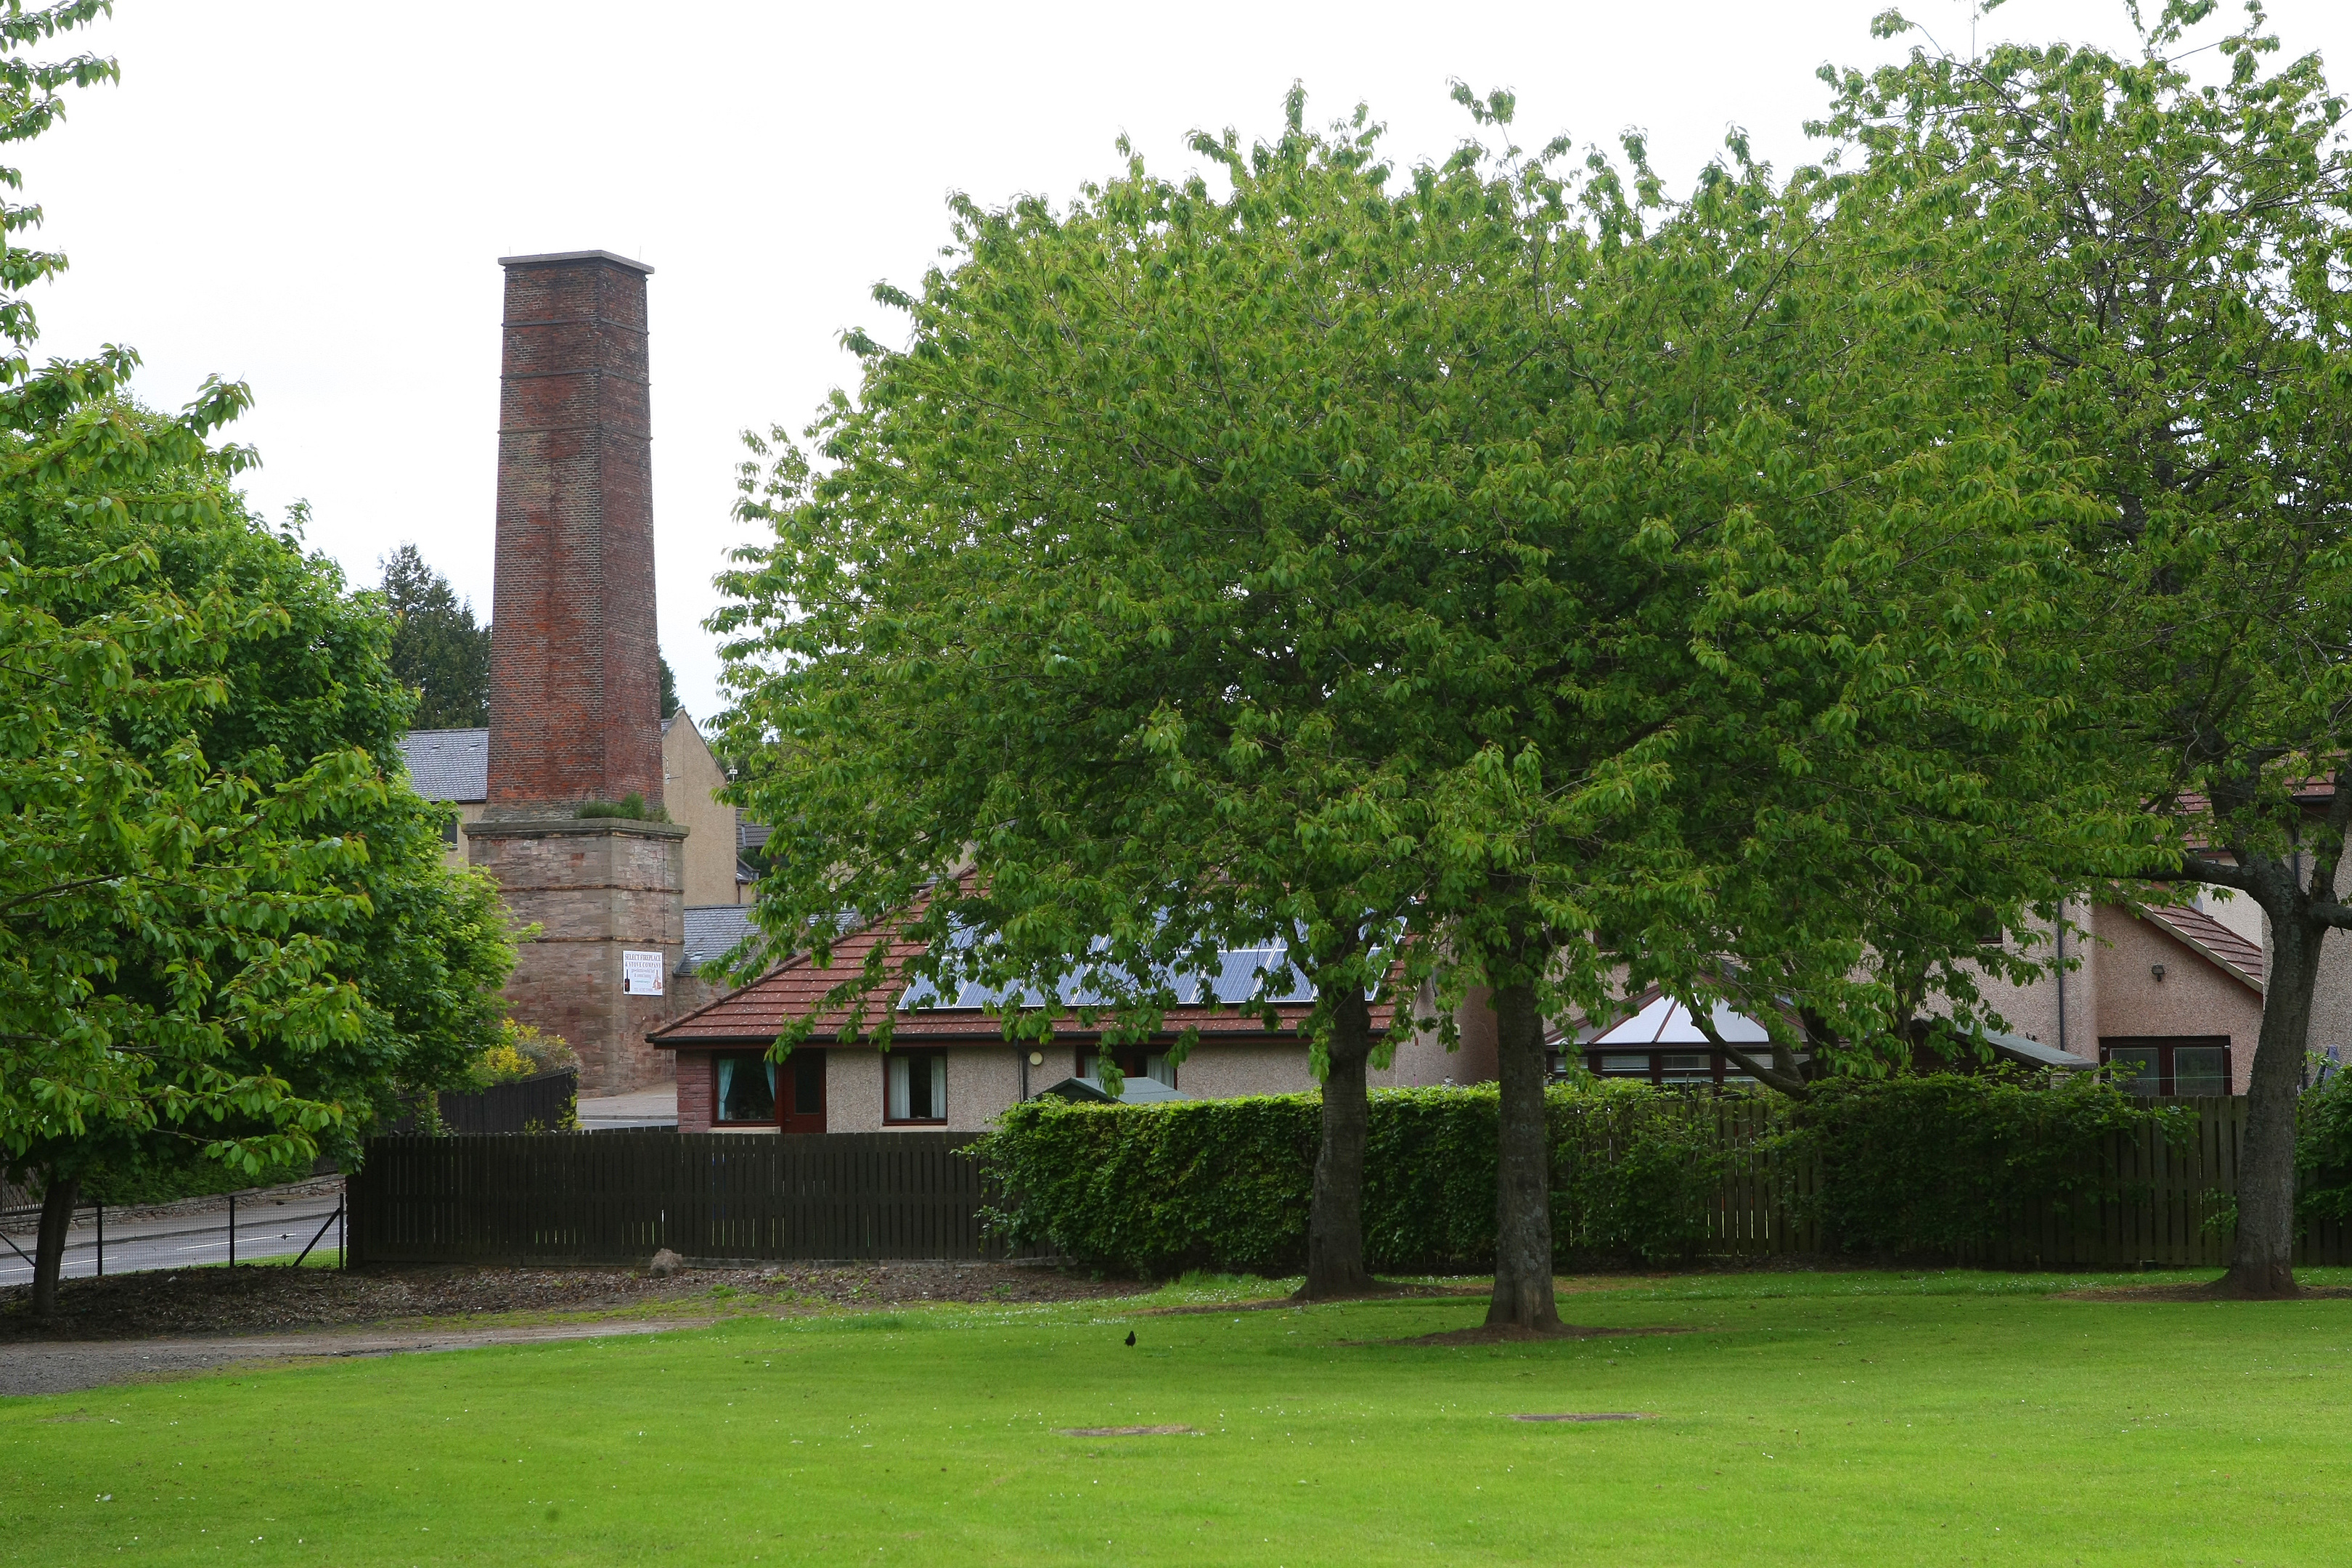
[[541, 1103], [619, 1197], [2154, 1202]]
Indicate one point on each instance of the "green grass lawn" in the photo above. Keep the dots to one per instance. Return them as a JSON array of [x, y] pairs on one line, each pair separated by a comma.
[[1811, 1419]]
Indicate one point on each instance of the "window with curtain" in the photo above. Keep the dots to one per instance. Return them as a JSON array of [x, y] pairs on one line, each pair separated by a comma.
[[917, 1086], [1134, 1061], [745, 1089]]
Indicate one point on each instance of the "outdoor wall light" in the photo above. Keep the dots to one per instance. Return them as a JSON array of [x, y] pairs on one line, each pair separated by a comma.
[[2157, 970], [1036, 1058]]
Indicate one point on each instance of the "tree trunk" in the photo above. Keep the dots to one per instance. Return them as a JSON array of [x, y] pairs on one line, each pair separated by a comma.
[[1335, 1222], [2263, 1265], [49, 1252], [1523, 1288]]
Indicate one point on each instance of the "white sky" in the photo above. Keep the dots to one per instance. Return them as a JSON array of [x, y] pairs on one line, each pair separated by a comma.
[[311, 197]]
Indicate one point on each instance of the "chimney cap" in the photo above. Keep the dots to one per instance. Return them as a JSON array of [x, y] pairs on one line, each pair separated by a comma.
[[552, 256]]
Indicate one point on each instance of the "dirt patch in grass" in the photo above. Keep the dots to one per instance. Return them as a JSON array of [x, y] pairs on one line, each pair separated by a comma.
[[2208, 1292], [1512, 1334], [1275, 1303], [246, 1300]]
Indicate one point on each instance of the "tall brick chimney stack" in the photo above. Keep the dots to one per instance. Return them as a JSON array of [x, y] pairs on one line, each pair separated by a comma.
[[575, 702], [575, 698]]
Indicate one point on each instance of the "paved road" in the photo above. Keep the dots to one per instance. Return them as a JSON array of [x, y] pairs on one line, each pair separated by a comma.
[[648, 1107], [266, 1228]]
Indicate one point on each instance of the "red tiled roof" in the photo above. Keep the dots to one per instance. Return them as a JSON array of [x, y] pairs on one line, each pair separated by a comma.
[[2213, 941], [758, 1012]]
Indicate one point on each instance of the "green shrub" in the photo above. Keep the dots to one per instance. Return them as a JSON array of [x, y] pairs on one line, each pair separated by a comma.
[[1225, 1185], [164, 1175], [1946, 1163], [1942, 1164], [2323, 1149], [1156, 1190], [630, 807], [522, 1051]]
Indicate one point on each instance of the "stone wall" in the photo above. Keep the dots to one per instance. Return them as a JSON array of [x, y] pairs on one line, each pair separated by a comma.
[[596, 889]]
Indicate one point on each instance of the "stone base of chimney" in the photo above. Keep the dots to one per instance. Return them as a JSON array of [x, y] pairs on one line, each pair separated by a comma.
[[599, 890]]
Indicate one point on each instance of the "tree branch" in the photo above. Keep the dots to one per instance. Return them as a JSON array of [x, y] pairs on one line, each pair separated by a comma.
[[1770, 1077], [2221, 873]]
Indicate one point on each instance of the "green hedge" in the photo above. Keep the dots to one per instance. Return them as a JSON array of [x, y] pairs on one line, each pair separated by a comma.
[[2323, 1153], [1942, 1164], [1931, 1164], [1225, 1183]]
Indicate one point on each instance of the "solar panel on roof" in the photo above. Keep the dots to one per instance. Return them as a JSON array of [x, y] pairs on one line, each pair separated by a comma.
[[1244, 975]]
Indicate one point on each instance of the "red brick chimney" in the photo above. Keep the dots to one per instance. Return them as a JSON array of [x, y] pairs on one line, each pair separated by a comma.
[[575, 699]]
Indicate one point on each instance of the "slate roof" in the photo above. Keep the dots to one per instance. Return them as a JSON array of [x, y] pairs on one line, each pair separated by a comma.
[[712, 929], [449, 764], [761, 1011], [2242, 960]]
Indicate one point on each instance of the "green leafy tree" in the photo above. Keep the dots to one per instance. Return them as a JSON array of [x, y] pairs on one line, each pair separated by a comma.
[[223, 923], [2172, 288], [1456, 581], [668, 686], [436, 648], [1106, 690]]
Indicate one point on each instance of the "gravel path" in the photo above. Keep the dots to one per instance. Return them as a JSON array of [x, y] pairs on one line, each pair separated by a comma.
[[70, 1366], [130, 1326]]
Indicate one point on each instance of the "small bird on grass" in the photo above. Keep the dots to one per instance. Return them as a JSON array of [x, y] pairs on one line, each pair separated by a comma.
[[1131, 1336]]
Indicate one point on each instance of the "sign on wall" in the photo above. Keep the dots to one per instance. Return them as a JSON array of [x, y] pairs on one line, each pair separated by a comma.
[[641, 973]]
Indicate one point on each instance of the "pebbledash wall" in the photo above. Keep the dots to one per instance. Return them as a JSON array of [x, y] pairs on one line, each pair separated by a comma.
[[2210, 988]]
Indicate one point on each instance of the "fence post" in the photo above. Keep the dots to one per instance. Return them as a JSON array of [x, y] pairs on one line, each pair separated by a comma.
[[231, 1230], [102, 1241]]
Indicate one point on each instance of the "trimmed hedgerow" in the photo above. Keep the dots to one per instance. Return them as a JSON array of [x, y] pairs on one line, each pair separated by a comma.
[[1938, 1164], [1155, 1190], [1942, 1164]]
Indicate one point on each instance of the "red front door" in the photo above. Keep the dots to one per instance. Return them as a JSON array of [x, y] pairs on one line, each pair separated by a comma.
[[800, 1091]]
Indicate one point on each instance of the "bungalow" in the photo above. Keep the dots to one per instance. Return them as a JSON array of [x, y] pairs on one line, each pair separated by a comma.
[[2177, 993], [949, 1067]]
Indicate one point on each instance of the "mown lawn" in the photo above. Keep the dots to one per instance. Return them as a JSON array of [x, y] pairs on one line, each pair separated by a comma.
[[1809, 1419]]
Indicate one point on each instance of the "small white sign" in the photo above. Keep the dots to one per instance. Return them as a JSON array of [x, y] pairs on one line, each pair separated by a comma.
[[641, 973]]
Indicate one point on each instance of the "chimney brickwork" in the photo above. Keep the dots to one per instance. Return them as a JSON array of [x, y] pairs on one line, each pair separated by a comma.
[[575, 701]]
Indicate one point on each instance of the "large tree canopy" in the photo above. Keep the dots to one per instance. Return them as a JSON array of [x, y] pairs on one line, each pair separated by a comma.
[[1464, 568], [224, 919], [2172, 288]]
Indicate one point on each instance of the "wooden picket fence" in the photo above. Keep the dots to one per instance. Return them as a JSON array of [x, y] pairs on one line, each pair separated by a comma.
[[2152, 1201], [619, 1197]]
